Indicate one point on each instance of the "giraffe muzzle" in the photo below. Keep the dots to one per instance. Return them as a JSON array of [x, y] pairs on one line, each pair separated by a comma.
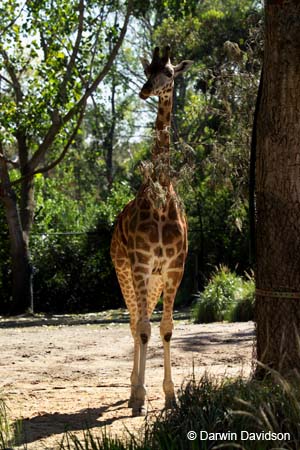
[[146, 90], [144, 94]]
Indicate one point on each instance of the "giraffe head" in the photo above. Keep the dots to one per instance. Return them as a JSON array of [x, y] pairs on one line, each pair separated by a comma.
[[161, 73]]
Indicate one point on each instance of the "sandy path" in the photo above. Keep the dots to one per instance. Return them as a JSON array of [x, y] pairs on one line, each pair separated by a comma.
[[63, 377]]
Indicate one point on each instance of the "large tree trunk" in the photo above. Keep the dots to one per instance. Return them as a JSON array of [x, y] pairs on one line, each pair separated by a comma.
[[21, 267], [278, 192], [27, 206]]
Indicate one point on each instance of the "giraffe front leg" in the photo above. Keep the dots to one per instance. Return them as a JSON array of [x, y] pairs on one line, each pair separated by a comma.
[[171, 283], [137, 400], [135, 372], [166, 327], [143, 332]]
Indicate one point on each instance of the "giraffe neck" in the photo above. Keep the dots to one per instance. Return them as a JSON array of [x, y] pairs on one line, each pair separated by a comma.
[[161, 149]]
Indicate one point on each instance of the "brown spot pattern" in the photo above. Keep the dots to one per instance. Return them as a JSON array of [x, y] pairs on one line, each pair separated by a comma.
[[142, 258], [178, 262], [145, 215], [133, 222], [140, 243], [172, 214], [170, 232], [167, 337], [158, 251], [170, 252]]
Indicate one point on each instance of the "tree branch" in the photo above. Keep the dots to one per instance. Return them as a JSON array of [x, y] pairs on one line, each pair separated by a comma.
[[61, 156], [4, 178], [106, 68], [2, 77], [56, 126], [11, 71], [9, 161], [96, 42], [71, 64], [13, 21], [44, 44], [20, 134]]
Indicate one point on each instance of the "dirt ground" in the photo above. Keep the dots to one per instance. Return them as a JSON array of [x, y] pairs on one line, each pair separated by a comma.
[[60, 375]]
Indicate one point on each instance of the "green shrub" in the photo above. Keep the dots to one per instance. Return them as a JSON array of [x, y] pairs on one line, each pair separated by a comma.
[[75, 273], [243, 308], [215, 301], [227, 296]]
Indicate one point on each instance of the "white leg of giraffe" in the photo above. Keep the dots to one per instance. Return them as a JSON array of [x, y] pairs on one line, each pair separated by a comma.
[[126, 284], [166, 328], [135, 370], [143, 333], [154, 290], [139, 389], [168, 384]]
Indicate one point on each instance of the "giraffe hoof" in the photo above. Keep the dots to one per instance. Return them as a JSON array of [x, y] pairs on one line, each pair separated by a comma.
[[139, 412]]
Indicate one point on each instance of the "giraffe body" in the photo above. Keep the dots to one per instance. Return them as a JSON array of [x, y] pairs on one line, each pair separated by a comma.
[[149, 243]]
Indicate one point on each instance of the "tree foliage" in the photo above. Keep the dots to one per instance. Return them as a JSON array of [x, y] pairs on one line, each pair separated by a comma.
[[53, 56], [58, 50]]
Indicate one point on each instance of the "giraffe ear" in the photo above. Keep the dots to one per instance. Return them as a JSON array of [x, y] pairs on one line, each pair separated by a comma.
[[145, 64], [182, 67]]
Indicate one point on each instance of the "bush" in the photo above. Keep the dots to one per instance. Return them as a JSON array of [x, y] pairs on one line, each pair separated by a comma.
[[227, 296], [217, 298], [243, 309], [75, 273]]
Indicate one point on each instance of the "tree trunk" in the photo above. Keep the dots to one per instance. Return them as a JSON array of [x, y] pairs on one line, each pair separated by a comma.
[[278, 193], [110, 137], [27, 206], [21, 267]]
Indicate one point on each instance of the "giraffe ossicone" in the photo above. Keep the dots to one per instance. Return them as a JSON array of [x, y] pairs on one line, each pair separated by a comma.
[[149, 243]]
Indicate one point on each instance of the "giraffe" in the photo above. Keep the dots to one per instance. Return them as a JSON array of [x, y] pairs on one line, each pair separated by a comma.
[[149, 243]]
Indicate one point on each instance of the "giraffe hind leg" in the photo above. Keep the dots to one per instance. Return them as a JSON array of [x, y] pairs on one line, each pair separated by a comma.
[[125, 281], [171, 284], [154, 292]]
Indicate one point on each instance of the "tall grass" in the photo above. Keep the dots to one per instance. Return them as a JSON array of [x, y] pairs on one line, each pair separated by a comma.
[[5, 432], [89, 441], [211, 405], [215, 406], [9, 435]]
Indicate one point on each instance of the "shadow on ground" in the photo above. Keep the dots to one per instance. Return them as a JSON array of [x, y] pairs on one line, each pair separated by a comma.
[[102, 318], [199, 341], [45, 425]]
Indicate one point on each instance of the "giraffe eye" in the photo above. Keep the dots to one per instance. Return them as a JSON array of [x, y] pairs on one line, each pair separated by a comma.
[[168, 73]]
